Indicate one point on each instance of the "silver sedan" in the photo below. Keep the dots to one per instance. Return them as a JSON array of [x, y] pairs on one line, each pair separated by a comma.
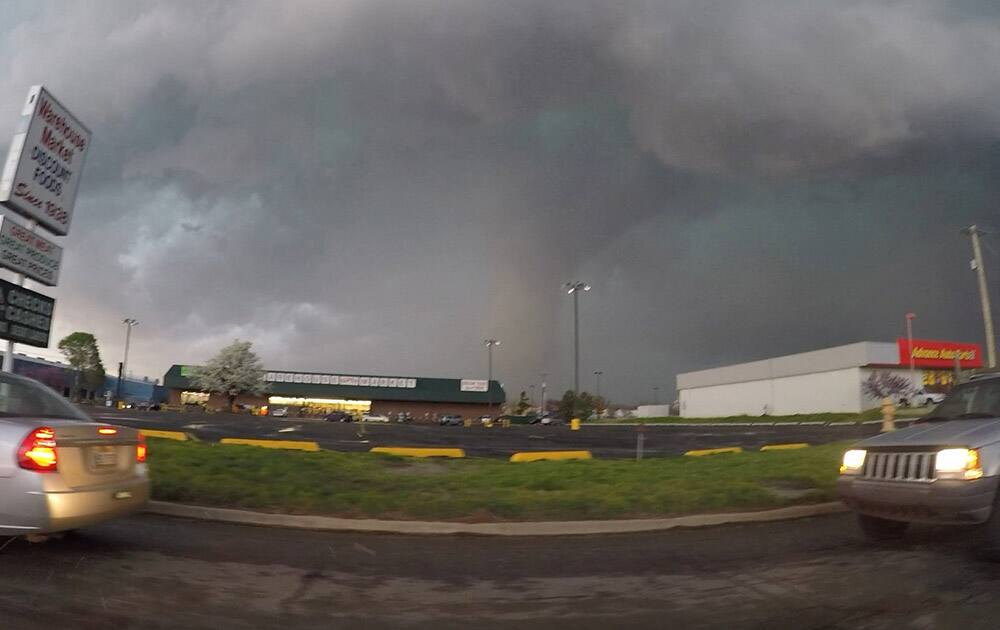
[[60, 470]]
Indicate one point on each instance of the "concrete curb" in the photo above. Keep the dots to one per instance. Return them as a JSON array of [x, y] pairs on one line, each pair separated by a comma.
[[538, 528]]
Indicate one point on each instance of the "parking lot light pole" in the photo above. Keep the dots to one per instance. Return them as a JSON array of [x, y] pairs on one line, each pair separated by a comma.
[[597, 385], [129, 324], [984, 294], [574, 288], [541, 412], [656, 395], [909, 345], [489, 343]]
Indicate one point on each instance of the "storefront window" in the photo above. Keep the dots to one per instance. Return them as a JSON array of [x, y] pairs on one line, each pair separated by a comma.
[[321, 406], [194, 398]]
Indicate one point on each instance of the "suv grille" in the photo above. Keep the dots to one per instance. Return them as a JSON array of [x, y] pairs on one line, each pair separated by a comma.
[[899, 466]]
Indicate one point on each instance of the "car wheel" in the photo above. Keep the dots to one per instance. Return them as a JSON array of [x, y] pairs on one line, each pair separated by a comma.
[[880, 529]]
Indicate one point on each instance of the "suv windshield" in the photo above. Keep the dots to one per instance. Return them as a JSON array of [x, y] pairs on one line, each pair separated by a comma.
[[23, 397], [975, 399]]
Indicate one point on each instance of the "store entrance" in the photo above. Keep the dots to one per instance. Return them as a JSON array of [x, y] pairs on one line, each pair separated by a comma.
[[319, 406]]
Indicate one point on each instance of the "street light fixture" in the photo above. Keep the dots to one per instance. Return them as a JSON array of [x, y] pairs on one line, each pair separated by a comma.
[[574, 288], [129, 324], [489, 343], [597, 388]]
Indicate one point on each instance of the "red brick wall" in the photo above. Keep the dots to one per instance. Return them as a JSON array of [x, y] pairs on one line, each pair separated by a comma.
[[418, 410]]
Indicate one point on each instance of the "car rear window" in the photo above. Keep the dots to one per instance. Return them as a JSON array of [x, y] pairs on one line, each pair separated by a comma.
[[24, 397], [976, 397]]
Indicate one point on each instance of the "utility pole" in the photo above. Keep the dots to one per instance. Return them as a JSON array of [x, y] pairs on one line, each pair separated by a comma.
[[489, 343], [574, 288], [129, 324], [984, 296]]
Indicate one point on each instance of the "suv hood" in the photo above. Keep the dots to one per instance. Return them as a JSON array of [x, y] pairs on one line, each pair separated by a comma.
[[970, 433]]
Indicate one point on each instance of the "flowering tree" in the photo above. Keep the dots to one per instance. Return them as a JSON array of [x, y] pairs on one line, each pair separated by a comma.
[[235, 370], [881, 385]]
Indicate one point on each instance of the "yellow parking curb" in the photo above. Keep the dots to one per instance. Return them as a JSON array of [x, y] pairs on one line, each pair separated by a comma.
[[783, 447], [535, 456], [405, 451], [166, 435], [714, 451], [288, 444]]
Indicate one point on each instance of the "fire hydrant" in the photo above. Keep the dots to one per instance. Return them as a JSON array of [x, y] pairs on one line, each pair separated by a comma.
[[888, 415]]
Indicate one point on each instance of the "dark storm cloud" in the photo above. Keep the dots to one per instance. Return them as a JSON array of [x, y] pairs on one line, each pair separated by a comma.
[[377, 186]]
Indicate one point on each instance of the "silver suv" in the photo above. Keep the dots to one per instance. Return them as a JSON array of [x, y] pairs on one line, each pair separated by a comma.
[[944, 469]]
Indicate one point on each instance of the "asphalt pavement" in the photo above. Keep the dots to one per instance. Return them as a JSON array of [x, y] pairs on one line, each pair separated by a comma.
[[159, 572], [602, 440]]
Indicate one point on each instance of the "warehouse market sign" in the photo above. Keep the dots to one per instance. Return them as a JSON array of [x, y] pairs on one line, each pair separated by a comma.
[[25, 316], [44, 163], [28, 253], [941, 354], [337, 379]]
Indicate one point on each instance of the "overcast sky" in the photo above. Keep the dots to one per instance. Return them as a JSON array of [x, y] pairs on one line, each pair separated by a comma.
[[369, 186]]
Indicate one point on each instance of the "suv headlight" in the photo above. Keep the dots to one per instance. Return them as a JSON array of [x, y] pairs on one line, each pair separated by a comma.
[[853, 461], [958, 462]]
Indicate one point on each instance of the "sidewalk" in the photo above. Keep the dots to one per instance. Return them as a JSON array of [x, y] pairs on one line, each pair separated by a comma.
[[436, 528]]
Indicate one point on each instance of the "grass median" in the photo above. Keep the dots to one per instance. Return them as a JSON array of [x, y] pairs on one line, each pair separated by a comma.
[[870, 414], [363, 485]]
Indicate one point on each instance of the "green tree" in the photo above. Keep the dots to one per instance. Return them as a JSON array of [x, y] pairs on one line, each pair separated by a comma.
[[233, 371], [81, 352], [581, 405], [523, 404]]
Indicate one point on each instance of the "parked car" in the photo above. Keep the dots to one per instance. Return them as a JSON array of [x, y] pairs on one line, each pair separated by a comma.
[[61, 470], [944, 469], [922, 398], [280, 412], [451, 420], [339, 416], [548, 419], [374, 417]]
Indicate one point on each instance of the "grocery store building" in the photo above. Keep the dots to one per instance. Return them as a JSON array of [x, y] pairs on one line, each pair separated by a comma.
[[320, 393], [827, 380]]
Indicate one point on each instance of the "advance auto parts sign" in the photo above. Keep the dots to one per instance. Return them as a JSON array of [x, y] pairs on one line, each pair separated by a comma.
[[25, 316], [929, 353], [28, 253], [43, 167]]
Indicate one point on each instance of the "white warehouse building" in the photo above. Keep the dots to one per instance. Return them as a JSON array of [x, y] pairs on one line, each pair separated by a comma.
[[828, 380]]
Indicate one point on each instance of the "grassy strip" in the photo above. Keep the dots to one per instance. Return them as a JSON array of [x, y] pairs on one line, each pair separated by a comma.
[[380, 486], [871, 414]]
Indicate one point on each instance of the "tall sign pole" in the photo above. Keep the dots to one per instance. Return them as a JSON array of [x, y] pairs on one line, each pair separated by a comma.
[[39, 181], [909, 345], [984, 295]]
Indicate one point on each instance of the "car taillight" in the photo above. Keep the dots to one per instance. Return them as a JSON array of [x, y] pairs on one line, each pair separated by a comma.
[[38, 451], [140, 450]]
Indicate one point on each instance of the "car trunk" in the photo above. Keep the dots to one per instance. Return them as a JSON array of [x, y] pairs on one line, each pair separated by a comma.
[[88, 457]]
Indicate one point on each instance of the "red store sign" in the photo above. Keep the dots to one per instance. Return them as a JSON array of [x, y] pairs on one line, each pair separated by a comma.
[[940, 354]]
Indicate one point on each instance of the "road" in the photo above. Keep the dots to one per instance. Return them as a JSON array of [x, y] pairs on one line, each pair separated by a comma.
[[603, 441], [158, 572]]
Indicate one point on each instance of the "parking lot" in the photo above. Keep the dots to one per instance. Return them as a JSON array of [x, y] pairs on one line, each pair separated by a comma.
[[158, 572], [479, 441]]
